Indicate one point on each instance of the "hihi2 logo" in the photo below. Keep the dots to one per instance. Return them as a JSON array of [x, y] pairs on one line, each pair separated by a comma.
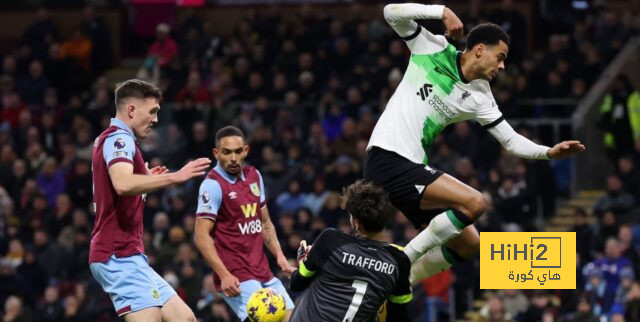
[[528, 260]]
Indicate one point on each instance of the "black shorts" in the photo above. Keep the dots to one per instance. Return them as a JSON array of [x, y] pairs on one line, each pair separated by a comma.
[[403, 180]]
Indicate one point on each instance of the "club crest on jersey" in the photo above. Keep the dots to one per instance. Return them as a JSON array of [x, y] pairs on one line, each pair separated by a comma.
[[255, 189], [119, 143], [205, 197], [465, 94]]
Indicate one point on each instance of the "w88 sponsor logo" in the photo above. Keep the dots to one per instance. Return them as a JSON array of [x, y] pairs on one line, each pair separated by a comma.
[[250, 227]]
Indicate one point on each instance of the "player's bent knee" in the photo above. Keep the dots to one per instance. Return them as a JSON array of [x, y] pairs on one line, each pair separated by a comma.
[[151, 314], [188, 316], [473, 248], [176, 310], [476, 205]]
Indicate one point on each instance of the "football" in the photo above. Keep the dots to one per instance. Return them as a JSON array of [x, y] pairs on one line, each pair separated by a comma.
[[266, 305]]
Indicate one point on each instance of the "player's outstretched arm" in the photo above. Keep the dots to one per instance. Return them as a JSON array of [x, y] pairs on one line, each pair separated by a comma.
[[401, 18], [271, 241], [565, 149], [125, 182], [517, 144], [309, 259], [230, 284]]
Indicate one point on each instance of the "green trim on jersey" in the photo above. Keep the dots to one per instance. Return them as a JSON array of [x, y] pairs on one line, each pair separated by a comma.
[[441, 68], [401, 299], [304, 271], [397, 246], [430, 129]]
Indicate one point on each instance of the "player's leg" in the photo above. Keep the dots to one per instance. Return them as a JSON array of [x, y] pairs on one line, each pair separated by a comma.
[[444, 256], [239, 303], [175, 309], [131, 286], [172, 307], [416, 189], [464, 205], [144, 315], [276, 284]]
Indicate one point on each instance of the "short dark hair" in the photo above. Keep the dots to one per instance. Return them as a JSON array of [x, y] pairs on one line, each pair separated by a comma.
[[369, 204], [135, 88], [228, 131], [486, 33]]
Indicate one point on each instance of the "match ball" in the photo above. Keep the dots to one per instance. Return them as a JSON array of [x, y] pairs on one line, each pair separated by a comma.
[[266, 305]]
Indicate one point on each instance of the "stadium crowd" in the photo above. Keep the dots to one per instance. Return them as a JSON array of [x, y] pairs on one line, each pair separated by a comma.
[[307, 90]]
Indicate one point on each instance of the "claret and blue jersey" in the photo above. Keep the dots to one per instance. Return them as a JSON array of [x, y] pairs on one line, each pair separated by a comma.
[[235, 204]]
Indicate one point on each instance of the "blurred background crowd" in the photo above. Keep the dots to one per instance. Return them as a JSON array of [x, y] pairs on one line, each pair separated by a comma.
[[306, 89]]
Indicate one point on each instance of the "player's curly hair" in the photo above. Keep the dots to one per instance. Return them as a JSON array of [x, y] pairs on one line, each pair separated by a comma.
[[135, 88], [486, 33], [369, 204]]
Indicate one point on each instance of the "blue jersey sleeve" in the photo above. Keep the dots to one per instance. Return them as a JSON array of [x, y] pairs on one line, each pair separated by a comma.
[[118, 147], [263, 194], [209, 199]]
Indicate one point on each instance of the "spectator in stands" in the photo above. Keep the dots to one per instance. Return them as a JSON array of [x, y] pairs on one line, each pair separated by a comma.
[[78, 48], [200, 143], [33, 274], [627, 278], [13, 106], [611, 265], [345, 143], [584, 235], [514, 24], [616, 200], [292, 199], [494, 310], [583, 314], [51, 180], [163, 49], [627, 249], [317, 197], [436, 288], [597, 291], [51, 309], [620, 117], [33, 87], [100, 36], [194, 90], [515, 302], [540, 304], [41, 33], [629, 175], [632, 303], [14, 310]]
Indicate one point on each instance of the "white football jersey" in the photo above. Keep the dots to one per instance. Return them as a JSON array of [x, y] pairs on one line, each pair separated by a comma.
[[431, 95]]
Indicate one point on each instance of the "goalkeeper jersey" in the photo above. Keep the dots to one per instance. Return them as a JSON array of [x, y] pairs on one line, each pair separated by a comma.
[[432, 94], [350, 278]]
